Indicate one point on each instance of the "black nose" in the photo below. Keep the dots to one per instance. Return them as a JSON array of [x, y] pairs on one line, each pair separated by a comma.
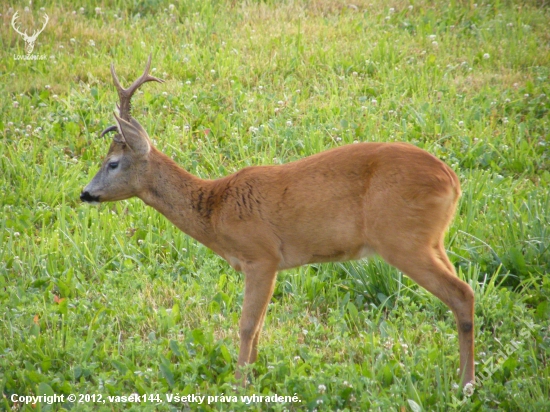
[[87, 197]]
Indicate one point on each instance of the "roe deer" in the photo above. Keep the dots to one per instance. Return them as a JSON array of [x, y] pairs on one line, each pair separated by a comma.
[[390, 199]]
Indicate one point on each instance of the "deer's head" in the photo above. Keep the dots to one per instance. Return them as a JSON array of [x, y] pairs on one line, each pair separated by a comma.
[[123, 169], [29, 40]]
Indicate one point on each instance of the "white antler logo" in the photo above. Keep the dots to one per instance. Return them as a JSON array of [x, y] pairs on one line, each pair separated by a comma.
[[29, 40]]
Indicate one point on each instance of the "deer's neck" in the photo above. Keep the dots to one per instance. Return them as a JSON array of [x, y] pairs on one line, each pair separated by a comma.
[[182, 198]]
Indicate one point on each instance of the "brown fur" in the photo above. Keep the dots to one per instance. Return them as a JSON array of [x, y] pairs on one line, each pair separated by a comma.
[[392, 199]]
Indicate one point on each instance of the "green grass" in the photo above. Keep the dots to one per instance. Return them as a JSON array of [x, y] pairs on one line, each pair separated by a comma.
[[114, 300]]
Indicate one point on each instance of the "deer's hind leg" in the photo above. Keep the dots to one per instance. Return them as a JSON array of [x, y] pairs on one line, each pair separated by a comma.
[[430, 267]]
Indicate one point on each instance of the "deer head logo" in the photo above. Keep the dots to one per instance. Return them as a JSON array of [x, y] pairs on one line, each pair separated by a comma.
[[29, 40]]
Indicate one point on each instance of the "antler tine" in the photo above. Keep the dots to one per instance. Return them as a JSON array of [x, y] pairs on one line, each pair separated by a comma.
[[13, 20], [125, 95], [108, 130]]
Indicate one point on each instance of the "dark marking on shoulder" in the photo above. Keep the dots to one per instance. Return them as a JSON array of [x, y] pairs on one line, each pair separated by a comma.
[[204, 202], [155, 192], [199, 200]]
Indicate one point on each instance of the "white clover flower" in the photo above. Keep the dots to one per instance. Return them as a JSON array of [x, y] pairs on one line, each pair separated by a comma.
[[374, 102], [432, 36], [289, 123], [322, 388], [461, 124], [91, 43], [468, 389], [486, 56], [171, 7]]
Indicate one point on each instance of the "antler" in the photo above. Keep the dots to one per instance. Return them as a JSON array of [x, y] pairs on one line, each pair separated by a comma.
[[125, 95], [46, 20], [13, 19], [25, 35]]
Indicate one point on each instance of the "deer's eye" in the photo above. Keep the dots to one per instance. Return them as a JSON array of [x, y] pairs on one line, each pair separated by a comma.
[[113, 165]]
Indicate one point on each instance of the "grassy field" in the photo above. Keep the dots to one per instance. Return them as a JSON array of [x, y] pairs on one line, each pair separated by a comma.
[[114, 300]]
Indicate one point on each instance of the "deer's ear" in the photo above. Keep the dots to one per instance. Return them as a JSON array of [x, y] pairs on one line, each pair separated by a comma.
[[134, 135]]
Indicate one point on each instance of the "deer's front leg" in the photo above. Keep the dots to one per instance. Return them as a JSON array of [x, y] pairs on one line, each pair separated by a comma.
[[259, 285]]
